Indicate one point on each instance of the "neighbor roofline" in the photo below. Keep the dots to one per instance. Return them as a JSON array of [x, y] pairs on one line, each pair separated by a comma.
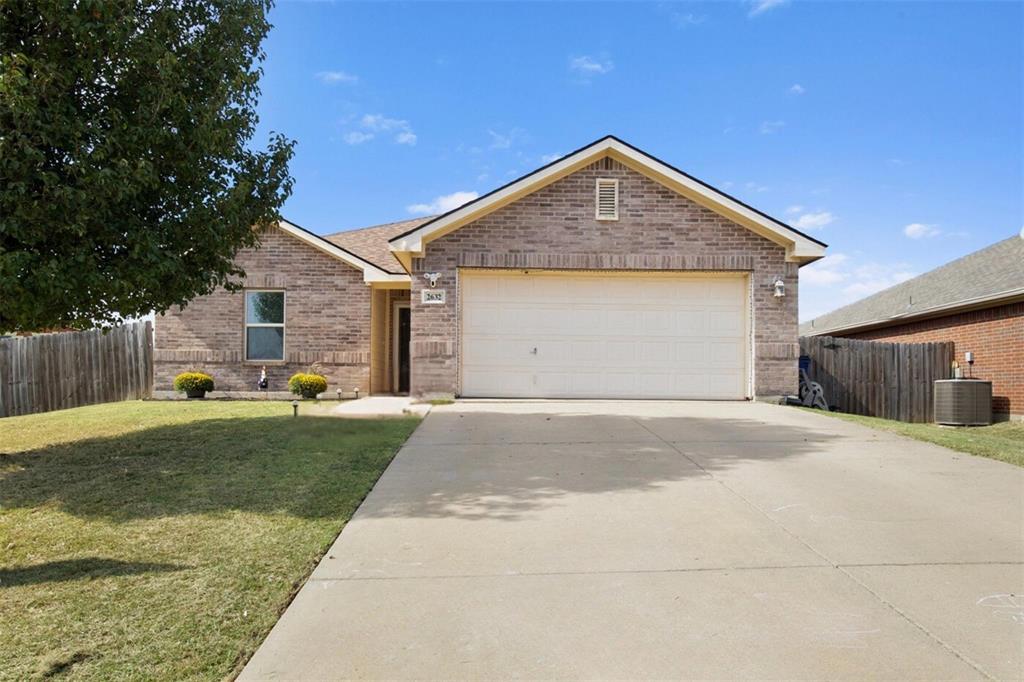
[[371, 272], [962, 306], [411, 241]]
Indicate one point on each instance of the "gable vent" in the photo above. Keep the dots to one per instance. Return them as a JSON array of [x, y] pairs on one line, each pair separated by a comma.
[[607, 199]]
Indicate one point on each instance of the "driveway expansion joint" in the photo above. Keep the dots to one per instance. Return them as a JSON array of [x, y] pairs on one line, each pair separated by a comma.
[[945, 645]]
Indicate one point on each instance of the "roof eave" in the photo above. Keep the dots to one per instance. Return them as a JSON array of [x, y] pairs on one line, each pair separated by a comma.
[[371, 272], [800, 248], [964, 306]]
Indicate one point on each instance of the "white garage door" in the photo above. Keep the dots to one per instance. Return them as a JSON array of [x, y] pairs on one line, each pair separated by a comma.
[[614, 335]]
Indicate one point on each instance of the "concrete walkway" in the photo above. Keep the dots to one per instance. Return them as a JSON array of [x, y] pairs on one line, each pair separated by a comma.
[[380, 406], [665, 540]]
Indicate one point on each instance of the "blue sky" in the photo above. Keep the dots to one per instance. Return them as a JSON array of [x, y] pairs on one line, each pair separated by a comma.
[[891, 131]]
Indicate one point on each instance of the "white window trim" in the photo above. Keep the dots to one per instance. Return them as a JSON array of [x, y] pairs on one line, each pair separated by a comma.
[[246, 324], [597, 198]]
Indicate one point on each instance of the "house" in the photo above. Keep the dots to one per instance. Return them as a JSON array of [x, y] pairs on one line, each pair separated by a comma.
[[605, 274], [977, 302]]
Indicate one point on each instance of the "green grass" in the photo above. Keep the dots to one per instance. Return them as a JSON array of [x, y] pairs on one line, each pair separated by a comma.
[[162, 540], [1003, 441]]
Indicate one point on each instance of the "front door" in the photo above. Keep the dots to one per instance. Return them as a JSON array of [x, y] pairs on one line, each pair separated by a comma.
[[404, 326]]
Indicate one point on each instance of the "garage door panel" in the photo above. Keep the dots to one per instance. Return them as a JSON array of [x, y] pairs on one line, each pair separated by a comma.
[[690, 322], [687, 353], [586, 320], [623, 319], [725, 354], [603, 337], [586, 383], [587, 351], [724, 322], [690, 385], [655, 352], [482, 318], [724, 384]]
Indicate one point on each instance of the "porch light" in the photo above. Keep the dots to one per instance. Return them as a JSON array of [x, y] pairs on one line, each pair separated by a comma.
[[780, 288]]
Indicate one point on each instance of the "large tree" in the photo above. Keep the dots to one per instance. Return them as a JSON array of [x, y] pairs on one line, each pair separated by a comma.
[[127, 178]]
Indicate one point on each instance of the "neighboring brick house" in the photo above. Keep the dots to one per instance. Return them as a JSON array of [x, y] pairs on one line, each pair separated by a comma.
[[605, 274], [977, 302]]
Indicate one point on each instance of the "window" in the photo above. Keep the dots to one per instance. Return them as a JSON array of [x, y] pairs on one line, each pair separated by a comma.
[[264, 325], [607, 199]]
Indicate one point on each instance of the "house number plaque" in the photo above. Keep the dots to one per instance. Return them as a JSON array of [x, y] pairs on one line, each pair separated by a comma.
[[432, 296]]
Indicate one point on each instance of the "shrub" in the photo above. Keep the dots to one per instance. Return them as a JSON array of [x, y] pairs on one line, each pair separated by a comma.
[[193, 381], [307, 385]]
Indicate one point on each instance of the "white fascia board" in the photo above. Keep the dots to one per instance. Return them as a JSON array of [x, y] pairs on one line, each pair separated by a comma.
[[413, 242], [371, 273], [798, 247]]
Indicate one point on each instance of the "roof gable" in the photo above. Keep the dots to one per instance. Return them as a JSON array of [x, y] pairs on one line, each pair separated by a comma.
[[371, 272], [799, 247], [371, 243]]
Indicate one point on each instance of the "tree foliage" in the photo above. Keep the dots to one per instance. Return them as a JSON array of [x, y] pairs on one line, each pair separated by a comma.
[[127, 182]]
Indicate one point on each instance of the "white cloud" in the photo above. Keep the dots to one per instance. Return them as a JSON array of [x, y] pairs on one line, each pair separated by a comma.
[[796, 89], [377, 122], [838, 280], [687, 19], [499, 141], [813, 221], [548, 158], [357, 137], [873, 277], [372, 124], [771, 127], [796, 208], [443, 204], [336, 77], [896, 161], [921, 230], [825, 271], [590, 66], [754, 187], [762, 6]]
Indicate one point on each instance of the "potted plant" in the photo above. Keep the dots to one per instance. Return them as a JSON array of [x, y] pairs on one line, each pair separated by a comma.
[[307, 385], [194, 384]]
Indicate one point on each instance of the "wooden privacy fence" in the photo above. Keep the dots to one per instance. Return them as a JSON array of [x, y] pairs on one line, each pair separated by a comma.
[[55, 371], [877, 378]]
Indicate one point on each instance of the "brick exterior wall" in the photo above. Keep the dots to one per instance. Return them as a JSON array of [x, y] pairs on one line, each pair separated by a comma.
[[327, 321], [995, 336], [555, 228]]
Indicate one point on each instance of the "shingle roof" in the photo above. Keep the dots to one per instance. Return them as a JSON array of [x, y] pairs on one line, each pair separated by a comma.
[[371, 243], [993, 273]]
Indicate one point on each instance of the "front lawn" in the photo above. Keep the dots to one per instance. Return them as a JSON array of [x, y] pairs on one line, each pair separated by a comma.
[[161, 540], [1003, 441]]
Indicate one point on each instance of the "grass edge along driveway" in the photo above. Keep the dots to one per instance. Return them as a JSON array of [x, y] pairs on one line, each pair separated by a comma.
[[162, 540], [1003, 441]]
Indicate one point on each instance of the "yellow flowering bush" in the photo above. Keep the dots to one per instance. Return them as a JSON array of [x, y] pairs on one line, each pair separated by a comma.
[[307, 385], [193, 382]]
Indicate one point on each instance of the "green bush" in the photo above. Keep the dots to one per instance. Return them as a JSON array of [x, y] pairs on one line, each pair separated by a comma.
[[307, 385], [193, 381]]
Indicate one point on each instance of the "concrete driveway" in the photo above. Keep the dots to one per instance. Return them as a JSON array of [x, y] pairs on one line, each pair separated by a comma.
[[665, 540]]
